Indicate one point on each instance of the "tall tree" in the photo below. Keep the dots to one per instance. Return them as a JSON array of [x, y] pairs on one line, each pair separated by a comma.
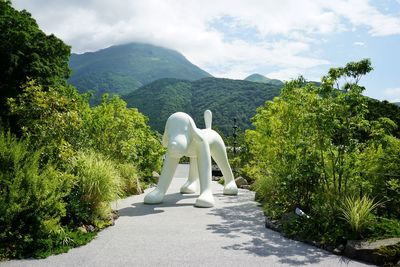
[[26, 52]]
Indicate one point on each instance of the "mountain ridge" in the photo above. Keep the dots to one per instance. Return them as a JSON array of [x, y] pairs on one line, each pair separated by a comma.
[[256, 77], [121, 69], [226, 98]]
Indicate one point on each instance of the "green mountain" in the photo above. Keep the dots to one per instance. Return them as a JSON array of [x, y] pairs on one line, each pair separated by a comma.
[[262, 79], [226, 98], [122, 69]]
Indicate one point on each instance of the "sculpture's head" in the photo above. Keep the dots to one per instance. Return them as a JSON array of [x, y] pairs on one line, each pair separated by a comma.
[[178, 134]]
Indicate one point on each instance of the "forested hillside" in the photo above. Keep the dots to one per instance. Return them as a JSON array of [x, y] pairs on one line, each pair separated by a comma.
[[226, 98], [262, 79], [122, 69]]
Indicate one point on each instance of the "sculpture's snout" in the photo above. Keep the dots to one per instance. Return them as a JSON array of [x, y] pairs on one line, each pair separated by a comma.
[[178, 146]]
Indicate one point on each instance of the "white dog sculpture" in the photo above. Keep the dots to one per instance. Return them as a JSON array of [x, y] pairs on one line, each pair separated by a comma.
[[183, 138]]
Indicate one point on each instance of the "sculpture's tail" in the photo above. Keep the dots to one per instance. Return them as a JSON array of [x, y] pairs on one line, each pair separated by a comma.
[[208, 118]]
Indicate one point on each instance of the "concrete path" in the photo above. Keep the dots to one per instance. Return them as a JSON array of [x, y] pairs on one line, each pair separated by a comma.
[[175, 233]]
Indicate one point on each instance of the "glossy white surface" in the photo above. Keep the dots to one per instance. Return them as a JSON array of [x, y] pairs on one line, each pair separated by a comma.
[[182, 138]]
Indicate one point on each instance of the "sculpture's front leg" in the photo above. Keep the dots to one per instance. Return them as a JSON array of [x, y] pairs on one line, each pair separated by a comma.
[[206, 199], [190, 186], [167, 173]]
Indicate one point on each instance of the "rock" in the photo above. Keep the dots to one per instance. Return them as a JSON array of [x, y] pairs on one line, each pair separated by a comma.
[[339, 250], [273, 224], [240, 181], [82, 229], [114, 214], [368, 251], [90, 228], [156, 175], [246, 187]]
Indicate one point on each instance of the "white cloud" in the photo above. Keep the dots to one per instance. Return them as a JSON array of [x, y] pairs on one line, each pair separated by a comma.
[[362, 13], [359, 43], [392, 94], [284, 30]]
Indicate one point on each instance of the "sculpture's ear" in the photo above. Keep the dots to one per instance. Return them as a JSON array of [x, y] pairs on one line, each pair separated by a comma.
[[165, 138], [195, 133]]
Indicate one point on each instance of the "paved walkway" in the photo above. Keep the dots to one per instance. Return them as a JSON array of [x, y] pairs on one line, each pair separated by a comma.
[[175, 233]]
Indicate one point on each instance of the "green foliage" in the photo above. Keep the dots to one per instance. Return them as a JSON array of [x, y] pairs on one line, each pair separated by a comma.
[[129, 178], [381, 227], [383, 109], [285, 148], [357, 212], [31, 200], [317, 144], [61, 121], [380, 173], [123, 135], [97, 184], [26, 52], [391, 254], [226, 98], [49, 117], [70, 160], [124, 68]]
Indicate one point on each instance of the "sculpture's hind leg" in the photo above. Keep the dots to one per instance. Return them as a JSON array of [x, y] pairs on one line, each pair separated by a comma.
[[190, 186], [219, 155], [206, 199]]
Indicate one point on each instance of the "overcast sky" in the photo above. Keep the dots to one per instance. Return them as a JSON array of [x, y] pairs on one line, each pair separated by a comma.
[[233, 39]]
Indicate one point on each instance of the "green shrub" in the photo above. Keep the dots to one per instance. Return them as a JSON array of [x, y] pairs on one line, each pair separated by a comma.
[[50, 117], [123, 134], [382, 227], [357, 212], [97, 183], [380, 165], [313, 145], [130, 178], [31, 200]]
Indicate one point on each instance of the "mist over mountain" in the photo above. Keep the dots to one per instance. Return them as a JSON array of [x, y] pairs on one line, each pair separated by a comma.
[[122, 69]]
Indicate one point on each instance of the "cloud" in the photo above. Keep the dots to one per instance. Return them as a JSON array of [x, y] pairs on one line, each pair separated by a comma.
[[392, 94], [359, 43], [212, 34], [362, 13]]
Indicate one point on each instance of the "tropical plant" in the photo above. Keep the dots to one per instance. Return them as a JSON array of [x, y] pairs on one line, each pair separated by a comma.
[[357, 211]]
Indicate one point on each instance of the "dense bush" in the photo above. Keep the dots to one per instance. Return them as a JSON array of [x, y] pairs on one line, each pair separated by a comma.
[[50, 116], [97, 183], [379, 165], [31, 200], [314, 148], [123, 134]]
